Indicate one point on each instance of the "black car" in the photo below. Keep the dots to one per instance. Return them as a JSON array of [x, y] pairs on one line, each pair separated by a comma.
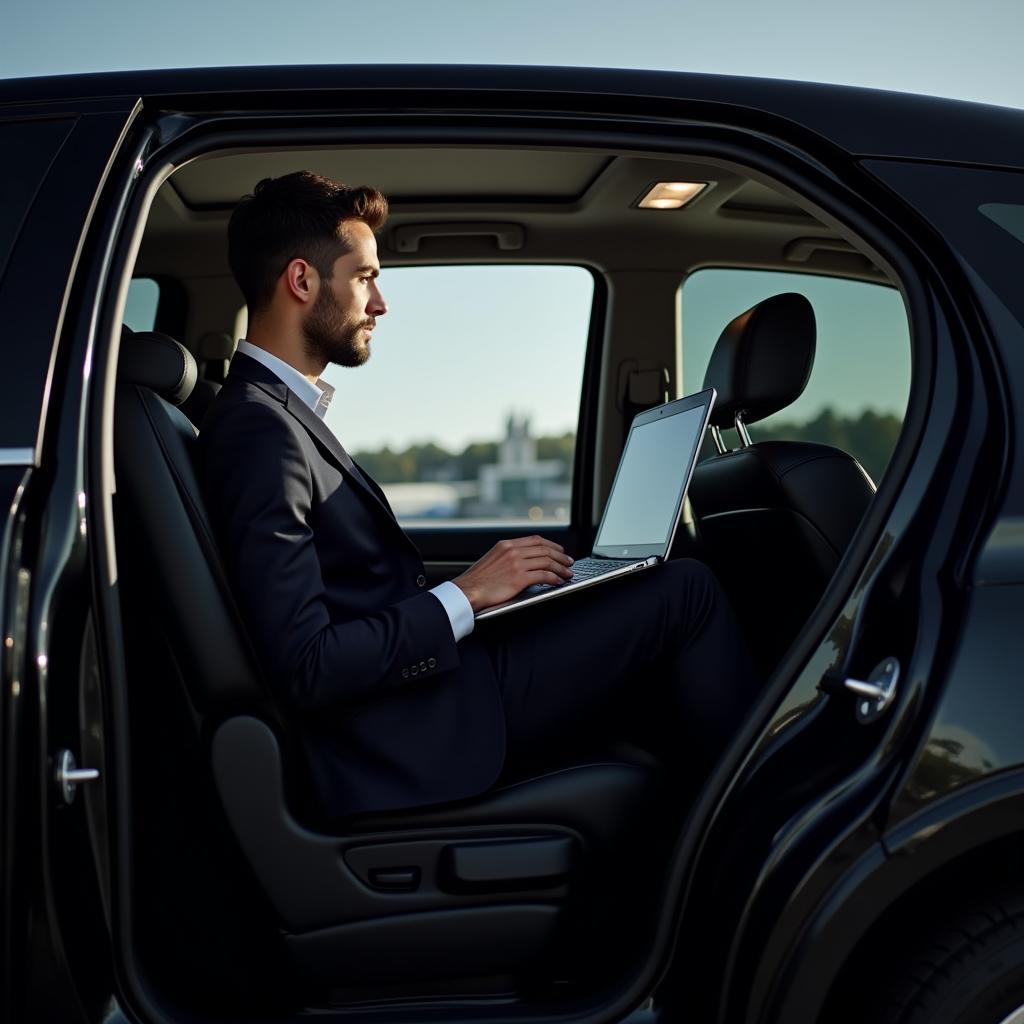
[[855, 855]]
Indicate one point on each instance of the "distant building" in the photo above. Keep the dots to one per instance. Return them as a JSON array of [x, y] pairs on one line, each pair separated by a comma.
[[517, 486], [520, 482]]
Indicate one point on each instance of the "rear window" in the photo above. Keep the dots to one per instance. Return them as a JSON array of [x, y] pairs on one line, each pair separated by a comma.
[[857, 394], [142, 304]]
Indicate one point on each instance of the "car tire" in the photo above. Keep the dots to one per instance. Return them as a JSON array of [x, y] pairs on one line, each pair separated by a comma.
[[968, 969]]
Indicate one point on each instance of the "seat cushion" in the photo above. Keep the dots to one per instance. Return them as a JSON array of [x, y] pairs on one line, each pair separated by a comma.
[[597, 800]]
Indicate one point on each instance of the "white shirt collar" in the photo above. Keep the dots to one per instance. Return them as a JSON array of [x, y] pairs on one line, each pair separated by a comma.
[[317, 396]]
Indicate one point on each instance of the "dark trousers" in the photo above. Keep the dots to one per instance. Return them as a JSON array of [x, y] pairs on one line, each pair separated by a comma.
[[655, 657]]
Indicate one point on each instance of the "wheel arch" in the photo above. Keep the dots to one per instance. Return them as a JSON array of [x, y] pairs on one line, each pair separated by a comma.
[[961, 843]]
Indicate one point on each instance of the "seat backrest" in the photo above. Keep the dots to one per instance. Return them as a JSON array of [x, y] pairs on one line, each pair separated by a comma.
[[774, 517], [163, 533]]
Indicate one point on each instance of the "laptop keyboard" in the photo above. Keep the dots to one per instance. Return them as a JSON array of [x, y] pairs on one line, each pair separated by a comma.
[[587, 567], [584, 569]]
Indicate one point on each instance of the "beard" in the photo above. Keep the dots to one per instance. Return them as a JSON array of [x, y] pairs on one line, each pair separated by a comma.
[[332, 337]]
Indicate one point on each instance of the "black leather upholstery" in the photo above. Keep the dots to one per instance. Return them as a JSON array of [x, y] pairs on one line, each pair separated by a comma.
[[774, 518], [200, 400], [157, 482], [762, 360], [158, 363], [195, 684]]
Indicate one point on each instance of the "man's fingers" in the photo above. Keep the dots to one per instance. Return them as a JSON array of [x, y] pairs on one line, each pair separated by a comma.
[[545, 556], [531, 541], [542, 552], [550, 577], [545, 564]]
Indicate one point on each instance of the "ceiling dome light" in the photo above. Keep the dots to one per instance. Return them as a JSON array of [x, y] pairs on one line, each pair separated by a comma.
[[671, 195]]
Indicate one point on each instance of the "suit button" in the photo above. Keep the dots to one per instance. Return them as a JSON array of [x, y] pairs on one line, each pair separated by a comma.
[[405, 673], [415, 670], [421, 580], [431, 662], [423, 666]]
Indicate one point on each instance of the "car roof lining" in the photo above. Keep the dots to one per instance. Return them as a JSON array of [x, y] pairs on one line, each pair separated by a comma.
[[573, 205]]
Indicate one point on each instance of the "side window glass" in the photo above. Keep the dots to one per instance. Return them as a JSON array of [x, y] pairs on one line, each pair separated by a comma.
[[35, 143], [142, 303], [466, 411], [857, 394]]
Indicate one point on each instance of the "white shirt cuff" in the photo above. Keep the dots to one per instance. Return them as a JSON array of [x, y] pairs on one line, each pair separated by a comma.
[[456, 604]]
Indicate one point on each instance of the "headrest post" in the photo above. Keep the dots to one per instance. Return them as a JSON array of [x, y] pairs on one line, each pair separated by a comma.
[[716, 436], [741, 430]]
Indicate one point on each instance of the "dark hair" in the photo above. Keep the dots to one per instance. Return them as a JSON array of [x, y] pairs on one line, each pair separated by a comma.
[[297, 215]]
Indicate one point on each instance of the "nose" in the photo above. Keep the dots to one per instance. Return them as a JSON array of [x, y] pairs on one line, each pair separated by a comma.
[[376, 306]]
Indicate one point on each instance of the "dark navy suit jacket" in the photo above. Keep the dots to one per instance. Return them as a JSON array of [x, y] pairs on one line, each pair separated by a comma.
[[389, 711]]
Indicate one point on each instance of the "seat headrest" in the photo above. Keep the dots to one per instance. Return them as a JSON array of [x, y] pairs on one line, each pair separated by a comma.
[[214, 345], [762, 360], [156, 361]]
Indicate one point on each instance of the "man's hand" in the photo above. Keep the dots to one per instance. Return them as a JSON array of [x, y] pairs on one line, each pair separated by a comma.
[[511, 566]]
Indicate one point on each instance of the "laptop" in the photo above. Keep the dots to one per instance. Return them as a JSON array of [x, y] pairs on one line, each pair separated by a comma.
[[645, 503]]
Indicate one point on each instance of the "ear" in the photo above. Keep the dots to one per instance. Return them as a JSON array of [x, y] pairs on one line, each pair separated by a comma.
[[300, 280]]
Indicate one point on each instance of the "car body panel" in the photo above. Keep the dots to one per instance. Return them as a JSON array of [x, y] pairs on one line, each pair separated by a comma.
[[860, 121]]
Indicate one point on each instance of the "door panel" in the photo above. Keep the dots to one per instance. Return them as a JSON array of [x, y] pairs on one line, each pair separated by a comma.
[[53, 956]]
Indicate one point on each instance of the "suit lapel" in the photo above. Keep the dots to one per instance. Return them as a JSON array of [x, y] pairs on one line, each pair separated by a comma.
[[256, 373], [325, 436]]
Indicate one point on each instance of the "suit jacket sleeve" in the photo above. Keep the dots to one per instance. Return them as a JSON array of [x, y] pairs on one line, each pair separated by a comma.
[[259, 490]]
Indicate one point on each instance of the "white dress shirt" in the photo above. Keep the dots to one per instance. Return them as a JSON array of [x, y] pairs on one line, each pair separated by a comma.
[[318, 397]]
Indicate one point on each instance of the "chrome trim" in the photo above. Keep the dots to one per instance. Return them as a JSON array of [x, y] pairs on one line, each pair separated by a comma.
[[716, 436], [741, 429], [876, 693], [17, 456], [68, 775]]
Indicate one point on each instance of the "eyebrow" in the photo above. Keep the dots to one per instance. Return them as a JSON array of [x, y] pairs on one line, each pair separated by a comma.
[[372, 271]]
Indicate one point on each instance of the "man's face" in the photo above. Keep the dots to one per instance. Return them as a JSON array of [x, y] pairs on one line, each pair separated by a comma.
[[338, 326]]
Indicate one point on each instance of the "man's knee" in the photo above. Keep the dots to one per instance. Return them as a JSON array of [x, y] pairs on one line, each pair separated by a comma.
[[694, 589], [693, 574]]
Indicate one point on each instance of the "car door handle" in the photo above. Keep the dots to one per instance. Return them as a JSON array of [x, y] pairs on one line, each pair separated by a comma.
[[874, 694]]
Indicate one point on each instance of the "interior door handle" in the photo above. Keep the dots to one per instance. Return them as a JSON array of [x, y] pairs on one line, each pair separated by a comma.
[[874, 694]]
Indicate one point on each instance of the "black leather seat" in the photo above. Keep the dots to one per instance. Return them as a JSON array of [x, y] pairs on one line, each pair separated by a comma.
[[479, 888], [774, 517]]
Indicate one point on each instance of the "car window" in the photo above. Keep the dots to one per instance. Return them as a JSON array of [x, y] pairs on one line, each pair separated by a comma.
[[466, 410], [141, 306], [857, 393], [35, 143]]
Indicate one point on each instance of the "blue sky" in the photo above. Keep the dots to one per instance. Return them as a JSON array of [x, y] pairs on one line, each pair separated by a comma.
[[942, 47]]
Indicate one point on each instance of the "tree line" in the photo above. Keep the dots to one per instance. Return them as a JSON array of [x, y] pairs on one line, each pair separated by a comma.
[[869, 437]]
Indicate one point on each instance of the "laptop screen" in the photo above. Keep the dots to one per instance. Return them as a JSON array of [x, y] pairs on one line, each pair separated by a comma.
[[643, 507]]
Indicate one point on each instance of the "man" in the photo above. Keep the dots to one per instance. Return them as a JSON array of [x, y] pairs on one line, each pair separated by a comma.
[[397, 699]]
